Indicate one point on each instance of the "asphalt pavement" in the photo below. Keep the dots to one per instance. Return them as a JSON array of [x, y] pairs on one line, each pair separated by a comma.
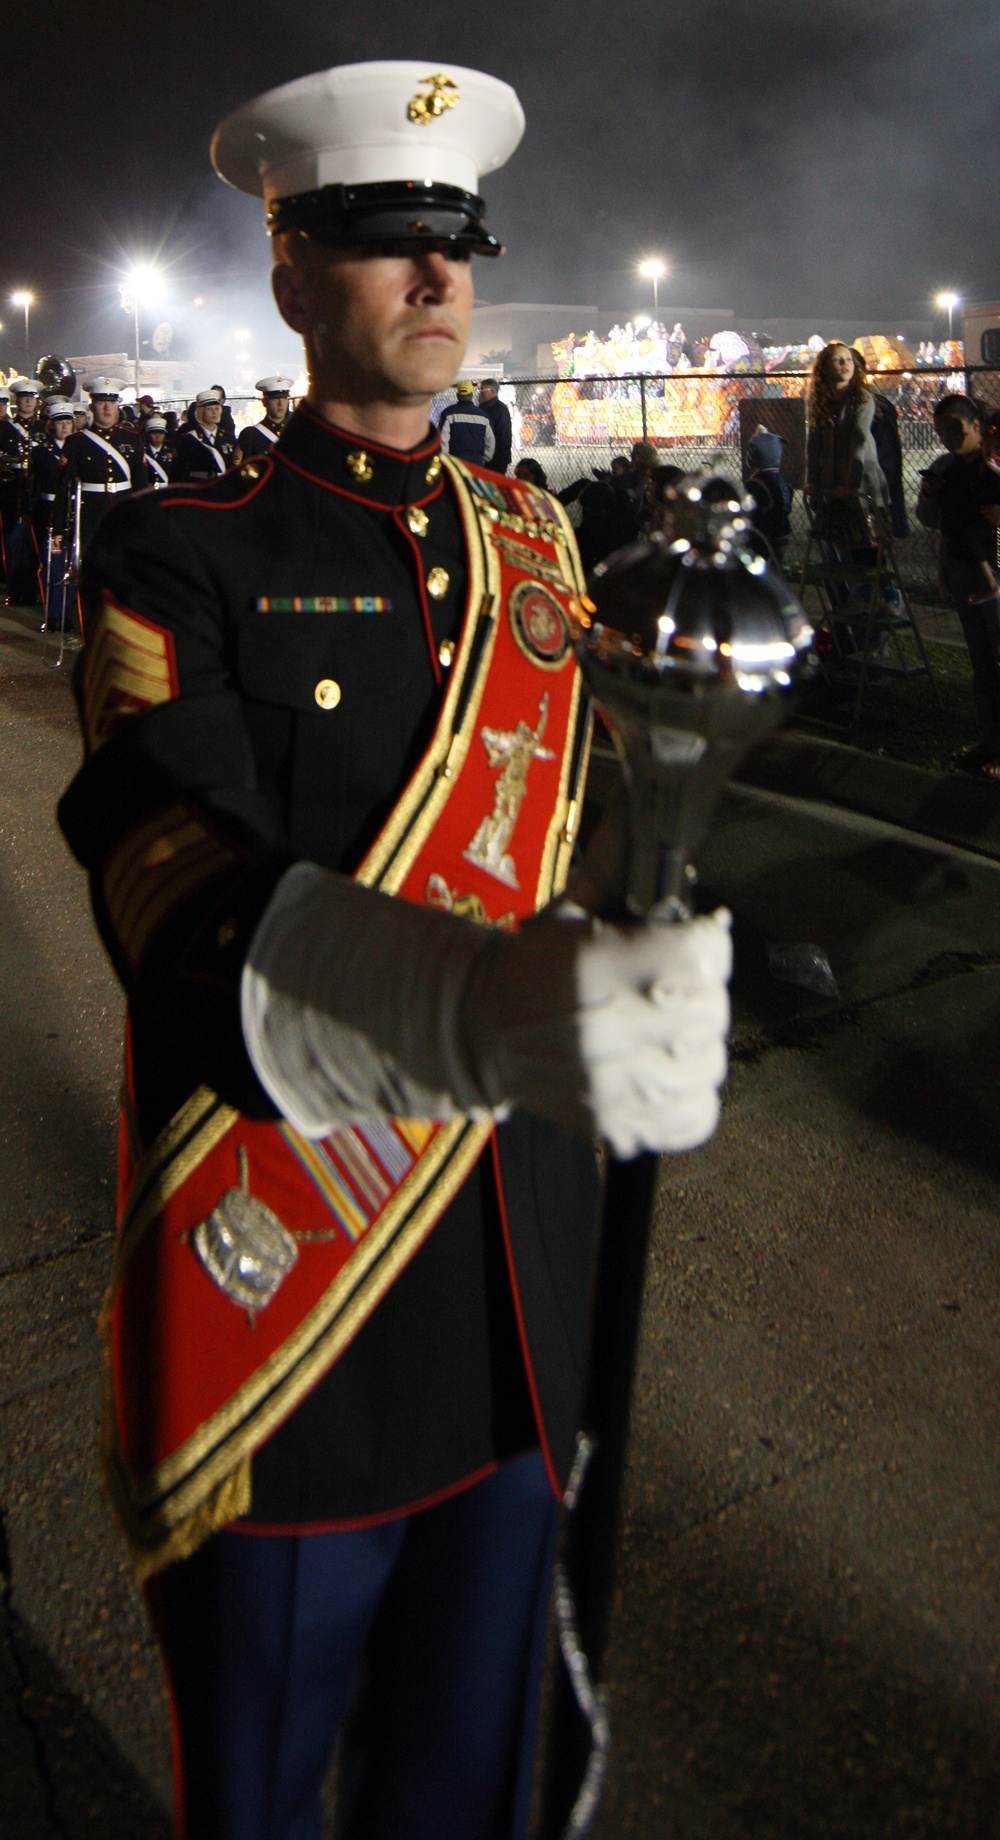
[[805, 1636]]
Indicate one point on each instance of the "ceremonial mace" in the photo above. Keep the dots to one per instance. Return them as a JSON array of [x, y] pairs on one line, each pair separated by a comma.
[[691, 648]]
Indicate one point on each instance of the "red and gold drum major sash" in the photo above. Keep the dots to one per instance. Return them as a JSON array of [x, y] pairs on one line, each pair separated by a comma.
[[248, 1256]]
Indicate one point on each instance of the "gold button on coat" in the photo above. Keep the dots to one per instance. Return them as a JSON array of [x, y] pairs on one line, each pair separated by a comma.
[[434, 470], [417, 520], [327, 693], [446, 652], [438, 583]]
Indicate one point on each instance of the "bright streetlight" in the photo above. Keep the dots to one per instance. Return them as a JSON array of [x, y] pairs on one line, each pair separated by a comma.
[[27, 301], [142, 287], [949, 301], [653, 269]]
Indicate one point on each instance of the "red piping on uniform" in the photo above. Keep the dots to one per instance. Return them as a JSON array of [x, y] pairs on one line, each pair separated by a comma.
[[367, 1520], [393, 453], [373, 504], [399, 518], [550, 1467], [229, 504]]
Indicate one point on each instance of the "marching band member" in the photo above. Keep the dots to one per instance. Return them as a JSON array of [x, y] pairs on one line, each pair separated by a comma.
[[106, 459], [335, 749], [158, 454], [44, 466], [203, 451], [260, 437]]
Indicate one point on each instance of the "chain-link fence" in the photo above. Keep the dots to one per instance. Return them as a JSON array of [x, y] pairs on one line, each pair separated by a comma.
[[573, 426]]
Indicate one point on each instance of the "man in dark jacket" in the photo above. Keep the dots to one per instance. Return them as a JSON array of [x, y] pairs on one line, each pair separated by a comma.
[[341, 672], [499, 414], [467, 432]]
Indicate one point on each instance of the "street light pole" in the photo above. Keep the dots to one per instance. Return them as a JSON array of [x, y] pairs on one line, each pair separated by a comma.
[[652, 270], [949, 301], [135, 307], [25, 300]]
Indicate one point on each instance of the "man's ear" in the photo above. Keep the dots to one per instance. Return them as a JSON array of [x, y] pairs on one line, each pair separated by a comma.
[[288, 284]]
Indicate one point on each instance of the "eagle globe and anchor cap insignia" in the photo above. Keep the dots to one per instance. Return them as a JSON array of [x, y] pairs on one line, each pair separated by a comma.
[[539, 624], [442, 94]]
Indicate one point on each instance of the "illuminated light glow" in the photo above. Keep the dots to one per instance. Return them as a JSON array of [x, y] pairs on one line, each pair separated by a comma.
[[756, 565], [143, 284], [22, 299], [652, 269], [763, 654], [710, 645], [242, 333], [948, 300], [666, 624], [198, 301], [782, 677]]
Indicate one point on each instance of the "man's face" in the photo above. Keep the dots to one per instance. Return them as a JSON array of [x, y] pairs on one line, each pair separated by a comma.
[[382, 327], [209, 415], [958, 436], [105, 411], [26, 406], [276, 406], [486, 392]]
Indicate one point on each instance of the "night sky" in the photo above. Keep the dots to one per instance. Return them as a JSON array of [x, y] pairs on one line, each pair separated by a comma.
[[833, 159]]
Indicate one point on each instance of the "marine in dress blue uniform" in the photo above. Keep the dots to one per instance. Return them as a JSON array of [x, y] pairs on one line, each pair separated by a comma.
[[259, 437], [105, 459], [271, 648], [203, 450]]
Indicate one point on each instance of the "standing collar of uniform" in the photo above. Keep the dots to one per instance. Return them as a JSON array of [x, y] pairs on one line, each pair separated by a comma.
[[340, 460]]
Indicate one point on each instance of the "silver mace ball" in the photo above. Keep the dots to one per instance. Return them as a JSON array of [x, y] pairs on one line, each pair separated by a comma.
[[692, 649]]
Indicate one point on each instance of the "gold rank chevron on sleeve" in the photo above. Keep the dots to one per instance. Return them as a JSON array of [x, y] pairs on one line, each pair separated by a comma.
[[129, 665], [156, 867]]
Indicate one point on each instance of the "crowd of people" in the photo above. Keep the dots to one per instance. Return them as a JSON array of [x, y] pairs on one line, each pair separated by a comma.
[[64, 462], [50, 445]]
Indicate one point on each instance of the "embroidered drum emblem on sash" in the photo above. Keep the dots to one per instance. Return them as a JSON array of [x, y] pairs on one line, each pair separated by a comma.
[[539, 624], [514, 751]]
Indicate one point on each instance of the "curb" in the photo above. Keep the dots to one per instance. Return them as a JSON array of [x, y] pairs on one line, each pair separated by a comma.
[[950, 807]]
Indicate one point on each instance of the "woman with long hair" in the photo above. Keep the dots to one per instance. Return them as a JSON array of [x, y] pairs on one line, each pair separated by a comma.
[[841, 461]]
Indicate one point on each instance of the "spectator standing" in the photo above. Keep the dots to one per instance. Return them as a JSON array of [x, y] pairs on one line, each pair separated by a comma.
[[960, 498], [499, 418], [531, 471], [769, 488], [467, 432], [841, 458], [889, 448]]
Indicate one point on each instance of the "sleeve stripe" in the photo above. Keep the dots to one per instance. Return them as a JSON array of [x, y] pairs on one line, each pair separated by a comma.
[[129, 665], [156, 867]]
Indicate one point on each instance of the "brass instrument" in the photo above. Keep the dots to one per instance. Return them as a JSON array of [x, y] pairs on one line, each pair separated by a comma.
[[72, 576]]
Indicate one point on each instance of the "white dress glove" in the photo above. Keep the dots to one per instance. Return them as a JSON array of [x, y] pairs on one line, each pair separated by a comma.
[[357, 1004]]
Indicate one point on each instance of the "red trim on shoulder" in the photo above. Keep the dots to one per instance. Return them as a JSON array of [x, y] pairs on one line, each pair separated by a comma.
[[372, 504], [358, 440], [550, 1468], [167, 498], [358, 1525]]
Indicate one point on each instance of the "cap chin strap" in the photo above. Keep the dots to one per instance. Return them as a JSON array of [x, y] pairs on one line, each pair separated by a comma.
[[398, 211]]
